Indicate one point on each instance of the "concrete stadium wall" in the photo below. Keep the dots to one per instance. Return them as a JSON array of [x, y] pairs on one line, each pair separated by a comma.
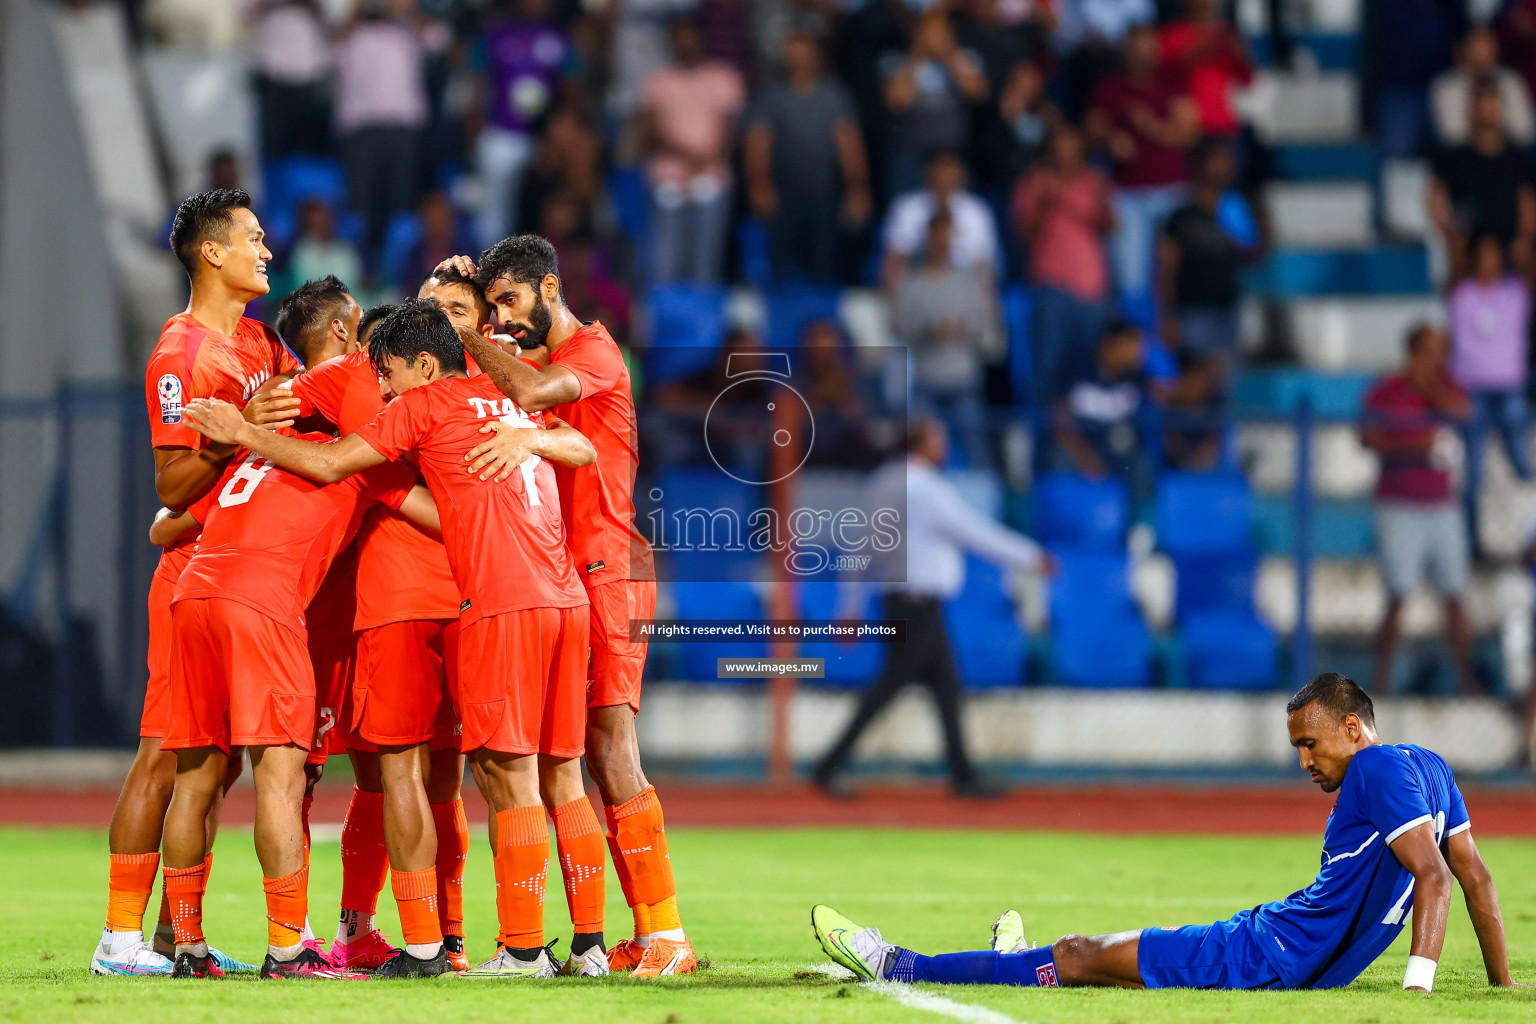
[[1051, 728]]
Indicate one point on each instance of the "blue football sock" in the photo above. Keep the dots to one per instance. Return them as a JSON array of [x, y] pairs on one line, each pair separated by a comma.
[[985, 967]]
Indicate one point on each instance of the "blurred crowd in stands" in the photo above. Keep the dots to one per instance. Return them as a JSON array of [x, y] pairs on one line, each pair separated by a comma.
[[944, 152]]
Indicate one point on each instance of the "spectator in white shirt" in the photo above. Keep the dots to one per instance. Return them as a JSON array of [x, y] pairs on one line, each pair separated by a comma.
[[940, 528], [973, 240], [1450, 95]]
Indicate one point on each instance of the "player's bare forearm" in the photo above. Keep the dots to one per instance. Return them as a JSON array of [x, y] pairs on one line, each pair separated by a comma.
[[1417, 851], [566, 445], [168, 526], [1482, 899], [183, 475], [325, 463], [421, 508], [532, 388]]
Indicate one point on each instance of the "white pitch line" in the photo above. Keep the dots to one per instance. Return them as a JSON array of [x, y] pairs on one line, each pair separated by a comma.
[[921, 999]]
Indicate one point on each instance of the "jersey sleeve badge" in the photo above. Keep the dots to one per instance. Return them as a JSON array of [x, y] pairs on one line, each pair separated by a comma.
[[169, 389]]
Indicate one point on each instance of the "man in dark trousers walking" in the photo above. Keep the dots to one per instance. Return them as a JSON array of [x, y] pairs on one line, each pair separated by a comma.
[[941, 528]]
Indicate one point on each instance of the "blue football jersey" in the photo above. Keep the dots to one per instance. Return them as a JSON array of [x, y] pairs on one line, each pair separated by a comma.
[[1326, 934]]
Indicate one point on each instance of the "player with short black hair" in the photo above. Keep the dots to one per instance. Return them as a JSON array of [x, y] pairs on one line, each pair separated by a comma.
[[522, 619], [587, 384], [203, 218], [1399, 833], [210, 350], [319, 320], [459, 297]]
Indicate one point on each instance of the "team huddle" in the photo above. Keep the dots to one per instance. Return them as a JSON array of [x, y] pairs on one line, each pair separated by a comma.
[[388, 536]]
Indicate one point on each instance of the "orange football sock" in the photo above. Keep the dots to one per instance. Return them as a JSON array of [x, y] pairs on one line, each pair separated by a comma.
[[642, 838], [416, 896], [164, 921], [522, 863], [664, 917], [184, 891], [578, 841], [287, 907], [452, 850], [364, 858], [130, 880], [641, 912]]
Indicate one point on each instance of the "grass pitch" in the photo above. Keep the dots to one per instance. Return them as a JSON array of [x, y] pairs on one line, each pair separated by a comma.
[[746, 898]]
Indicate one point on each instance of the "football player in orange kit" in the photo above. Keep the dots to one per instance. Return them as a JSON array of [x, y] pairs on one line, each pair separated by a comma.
[[209, 351], [242, 675], [401, 712], [522, 618], [587, 385]]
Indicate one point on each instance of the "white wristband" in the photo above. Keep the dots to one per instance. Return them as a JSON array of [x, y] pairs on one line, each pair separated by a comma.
[[1420, 973]]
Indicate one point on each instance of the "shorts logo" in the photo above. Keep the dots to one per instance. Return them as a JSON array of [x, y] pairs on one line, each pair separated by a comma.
[[595, 567], [169, 389], [464, 607], [327, 722], [1045, 976]]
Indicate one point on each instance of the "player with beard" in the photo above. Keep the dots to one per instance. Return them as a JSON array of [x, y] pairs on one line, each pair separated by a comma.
[[522, 618], [586, 383]]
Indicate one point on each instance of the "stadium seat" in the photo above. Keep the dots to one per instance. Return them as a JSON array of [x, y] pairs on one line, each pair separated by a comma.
[[1097, 636], [698, 519], [1203, 513], [687, 325], [295, 178], [1229, 650], [631, 203], [752, 249], [715, 600], [1211, 582], [984, 630], [850, 664], [400, 237], [1018, 318], [792, 307], [1073, 511]]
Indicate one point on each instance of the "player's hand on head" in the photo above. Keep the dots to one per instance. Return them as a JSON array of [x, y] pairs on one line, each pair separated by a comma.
[[463, 264], [214, 418], [272, 410], [507, 448], [468, 335]]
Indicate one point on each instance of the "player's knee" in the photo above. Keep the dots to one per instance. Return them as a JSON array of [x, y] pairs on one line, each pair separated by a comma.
[[1072, 952]]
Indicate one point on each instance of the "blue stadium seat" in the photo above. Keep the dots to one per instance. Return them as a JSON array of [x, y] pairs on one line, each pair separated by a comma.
[[698, 519], [1212, 582], [1203, 513], [1097, 636], [1383, 271], [400, 237], [984, 630], [693, 600], [1073, 511], [687, 326], [853, 664], [1229, 650], [1277, 393], [631, 203], [752, 247], [1340, 528], [792, 307], [294, 178], [1018, 318]]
